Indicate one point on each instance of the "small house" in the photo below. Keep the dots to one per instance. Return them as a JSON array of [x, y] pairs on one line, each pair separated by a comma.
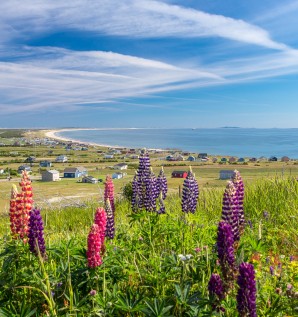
[[253, 159], [191, 158], [226, 174], [214, 160], [202, 155], [263, 159], [45, 164], [50, 176], [223, 160], [61, 159], [74, 172], [170, 158], [117, 175], [285, 159], [120, 166], [273, 159], [89, 179], [232, 159], [179, 158], [30, 159], [108, 156], [24, 168], [241, 160], [179, 174], [134, 156]]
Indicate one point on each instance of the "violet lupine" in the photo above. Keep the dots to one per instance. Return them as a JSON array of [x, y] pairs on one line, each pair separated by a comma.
[[190, 193], [100, 219], [135, 193], [230, 209], [94, 247], [151, 192], [36, 235], [246, 296], [109, 191], [215, 287], [225, 252], [162, 189], [13, 211], [110, 228], [239, 185]]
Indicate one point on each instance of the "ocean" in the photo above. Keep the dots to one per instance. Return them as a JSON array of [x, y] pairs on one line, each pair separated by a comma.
[[238, 142]]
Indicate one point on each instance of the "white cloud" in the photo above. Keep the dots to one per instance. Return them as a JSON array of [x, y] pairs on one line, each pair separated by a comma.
[[131, 18]]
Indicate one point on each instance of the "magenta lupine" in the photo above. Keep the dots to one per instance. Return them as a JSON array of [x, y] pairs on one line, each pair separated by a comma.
[[225, 251], [239, 185], [100, 219], [109, 192], [94, 247], [230, 209], [110, 228], [246, 296], [36, 235], [190, 193], [13, 211]]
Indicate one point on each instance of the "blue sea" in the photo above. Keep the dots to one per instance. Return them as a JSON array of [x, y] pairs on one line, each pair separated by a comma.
[[222, 141]]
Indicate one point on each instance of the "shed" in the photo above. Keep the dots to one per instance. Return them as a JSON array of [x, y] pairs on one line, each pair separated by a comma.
[[179, 158], [191, 158], [285, 159], [120, 166], [61, 159], [89, 179], [50, 176], [253, 159], [24, 168], [223, 159], [117, 175], [273, 159], [226, 174], [45, 164], [232, 159], [214, 160], [202, 155], [30, 159], [74, 172], [241, 160], [108, 156], [179, 174]]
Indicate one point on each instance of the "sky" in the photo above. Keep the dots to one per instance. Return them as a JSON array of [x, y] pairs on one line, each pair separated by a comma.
[[153, 64]]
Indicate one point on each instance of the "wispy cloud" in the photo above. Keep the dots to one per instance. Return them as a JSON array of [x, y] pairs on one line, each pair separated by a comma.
[[131, 18]]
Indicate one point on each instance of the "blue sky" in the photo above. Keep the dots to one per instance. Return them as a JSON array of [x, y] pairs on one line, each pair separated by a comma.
[[141, 63]]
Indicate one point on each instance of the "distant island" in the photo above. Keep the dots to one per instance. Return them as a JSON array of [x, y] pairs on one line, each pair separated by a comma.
[[230, 127]]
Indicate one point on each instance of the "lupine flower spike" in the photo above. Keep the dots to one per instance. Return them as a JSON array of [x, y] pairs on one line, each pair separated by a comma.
[[190, 193], [238, 183], [110, 230], [36, 235], [151, 192], [101, 221], [13, 211], [109, 192], [94, 247], [225, 251], [162, 189], [216, 291], [230, 209], [246, 296]]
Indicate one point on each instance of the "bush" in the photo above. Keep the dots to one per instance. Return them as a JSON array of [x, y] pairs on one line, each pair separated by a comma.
[[127, 191]]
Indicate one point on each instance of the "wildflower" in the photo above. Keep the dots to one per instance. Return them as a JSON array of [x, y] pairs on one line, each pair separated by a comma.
[[92, 292], [190, 193], [239, 186], [151, 192], [225, 251], [13, 211], [188, 256], [230, 209], [197, 250], [215, 287], [272, 270], [110, 225], [22, 217], [265, 214], [101, 220], [94, 247], [162, 189], [278, 290], [246, 296], [36, 235], [182, 257], [109, 192]]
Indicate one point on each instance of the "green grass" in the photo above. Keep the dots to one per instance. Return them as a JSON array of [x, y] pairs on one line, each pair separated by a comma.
[[142, 273]]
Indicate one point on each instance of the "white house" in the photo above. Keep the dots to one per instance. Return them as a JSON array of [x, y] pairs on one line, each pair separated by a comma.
[[108, 156], [118, 175], [120, 166], [226, 174], [61, 159], [89, 179], [50, 176]]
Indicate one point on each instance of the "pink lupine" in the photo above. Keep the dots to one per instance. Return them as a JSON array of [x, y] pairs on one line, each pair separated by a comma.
[[109, 192], [101, 220], [94, 247], [22, 217], [238, 183], [13, 211]]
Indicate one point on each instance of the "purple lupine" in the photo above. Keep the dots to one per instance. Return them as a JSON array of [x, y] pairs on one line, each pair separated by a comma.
[[151, 192], [238, 183], [190, 193], [162, 189], [110, 227], [35, 235], [225, 252], [215, 287], [230, 209], [246, 296]]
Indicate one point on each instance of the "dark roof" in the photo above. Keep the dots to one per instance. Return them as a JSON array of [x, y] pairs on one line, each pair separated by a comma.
[[179, 172], [70, 170], [121, 164]]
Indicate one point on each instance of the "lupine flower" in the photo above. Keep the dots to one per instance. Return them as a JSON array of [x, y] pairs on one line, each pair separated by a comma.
[[190, 193], [246, 296], [92, 292], [151, 192], [35, 235], [109, 192], [13, 211], [230, 209], [22, 217], [215, 287], [162, 189], [27, 191], [272, 270], [225, 251], [110, 228], [94, 247], [101, 220], [239, 185]]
